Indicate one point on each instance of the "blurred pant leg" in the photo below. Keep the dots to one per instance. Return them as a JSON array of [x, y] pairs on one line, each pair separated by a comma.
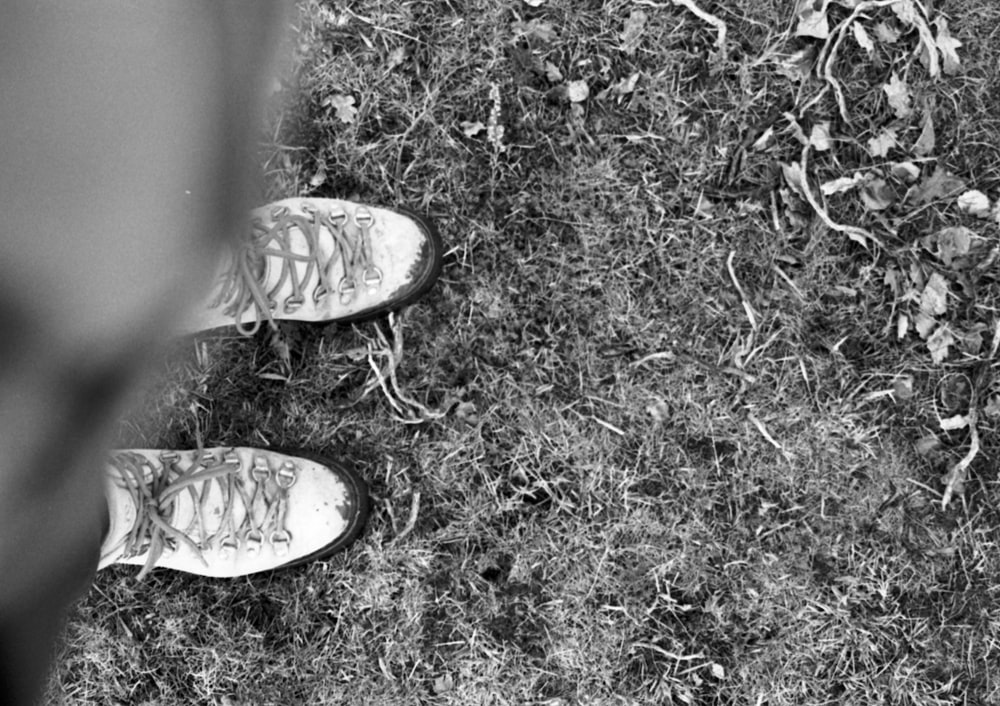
[[123, 130]]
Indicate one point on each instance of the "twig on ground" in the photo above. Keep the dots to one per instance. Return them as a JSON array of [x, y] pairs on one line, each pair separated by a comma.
[[411, 522], [828, 54], [720, 25], [954, 480], [747, 307], [858, 235]]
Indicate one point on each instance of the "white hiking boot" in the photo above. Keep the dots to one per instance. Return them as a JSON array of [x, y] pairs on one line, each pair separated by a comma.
[[228, 512], [321, 260]]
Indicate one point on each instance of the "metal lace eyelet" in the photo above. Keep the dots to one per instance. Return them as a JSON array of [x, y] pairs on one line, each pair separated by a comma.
[[231, 458], [294, 303], [363, 218], [372, 277], [208, 457], [286, 476], [280, 540], [260, 470], [229, 546], [347, 290], [337, 215], [278, 212], [308, 207], [254, 539], [320, 292], [168, 456]]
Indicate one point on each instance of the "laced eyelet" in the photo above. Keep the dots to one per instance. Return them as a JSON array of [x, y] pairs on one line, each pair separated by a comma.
[[363, 218], [231, 458], [255, 540], [347, 290], [278, 212], [208, 458], [260, 470], [229, 546], [319, 292], [337, 216], [294, 303], [372, 277], [286, 476], [280, 541]]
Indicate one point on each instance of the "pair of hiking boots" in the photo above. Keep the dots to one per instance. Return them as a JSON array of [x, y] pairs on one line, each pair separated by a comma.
[[229, 512]]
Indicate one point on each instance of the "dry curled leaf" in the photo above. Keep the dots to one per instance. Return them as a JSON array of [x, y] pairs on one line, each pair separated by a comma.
[[951, 243], [939, 344], [632, 32], [925, 144], [577, 91], [880, 145], [948, 47], [899, 96], [862, 38], [839, 186], [812, 20], [343, 105], [975, 203], [934, 299], [819, 138], [940, 184], [878, 195]]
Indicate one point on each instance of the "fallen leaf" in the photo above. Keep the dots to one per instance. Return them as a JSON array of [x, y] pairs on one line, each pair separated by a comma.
[[906, 12], [948, 45], [397, 56], [820, 136], [552, 73], [906, 171], [625, 85], [472, 129], [812, 20], [880, 145], [446, 683], [902, 326], [975, 203], [924, 324], [794, 176], [959, 421], [992, 408], [631, 35], [343, 105], [902, 388], [577, 91], [878, 195], [925, 143], [934, 300], [951, 242], [862, 38], [939, 344], [936, 186], [927, 444], [899, 96], [539, 30], [839, 186], [318, 178], [886, 33], [717, 671], [798, 66], [534, 3]]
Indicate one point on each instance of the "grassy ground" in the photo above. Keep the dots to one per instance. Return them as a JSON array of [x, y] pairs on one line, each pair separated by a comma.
[[653, 485]]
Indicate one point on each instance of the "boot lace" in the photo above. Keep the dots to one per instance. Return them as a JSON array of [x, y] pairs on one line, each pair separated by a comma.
[[156, 488], [241, 285]]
